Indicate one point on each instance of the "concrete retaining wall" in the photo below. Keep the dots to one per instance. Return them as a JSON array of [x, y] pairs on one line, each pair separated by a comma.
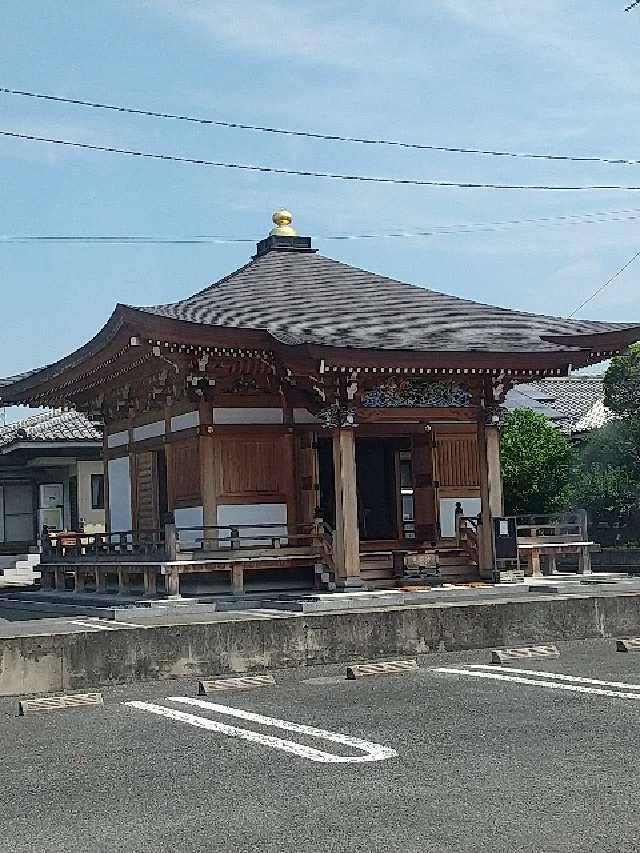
[[73, 661]]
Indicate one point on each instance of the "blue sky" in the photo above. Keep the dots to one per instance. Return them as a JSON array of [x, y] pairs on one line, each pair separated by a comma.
[[544, 76]]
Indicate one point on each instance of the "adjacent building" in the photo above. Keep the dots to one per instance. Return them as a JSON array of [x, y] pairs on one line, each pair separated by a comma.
[[573, 404], [51, 474]]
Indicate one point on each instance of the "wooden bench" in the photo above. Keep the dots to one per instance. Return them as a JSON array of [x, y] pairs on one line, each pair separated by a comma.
[[551, 535], [533, 551]]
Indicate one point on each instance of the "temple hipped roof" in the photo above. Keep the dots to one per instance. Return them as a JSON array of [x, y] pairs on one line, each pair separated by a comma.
[[302, 304], [304, 298]]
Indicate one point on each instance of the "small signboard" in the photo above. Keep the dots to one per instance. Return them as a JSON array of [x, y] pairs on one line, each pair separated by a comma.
[[506, 542]]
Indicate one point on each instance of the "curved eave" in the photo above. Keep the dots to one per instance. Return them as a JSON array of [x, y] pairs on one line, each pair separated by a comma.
[[27, 384], [618, 339], [573, 351]]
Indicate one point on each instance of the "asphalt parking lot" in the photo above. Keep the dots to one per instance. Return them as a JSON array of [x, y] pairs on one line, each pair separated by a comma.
[[455, 757]]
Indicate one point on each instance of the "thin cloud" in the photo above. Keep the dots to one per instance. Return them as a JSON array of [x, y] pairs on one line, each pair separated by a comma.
[[295, 31]]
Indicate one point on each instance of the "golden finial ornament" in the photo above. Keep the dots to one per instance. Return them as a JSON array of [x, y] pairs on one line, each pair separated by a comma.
[[282, 220]]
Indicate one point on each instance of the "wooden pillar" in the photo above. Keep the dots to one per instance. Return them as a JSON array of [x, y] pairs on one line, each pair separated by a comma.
[[494, 470], [347, 534], [78, 581], [485, 530], [207, 450]]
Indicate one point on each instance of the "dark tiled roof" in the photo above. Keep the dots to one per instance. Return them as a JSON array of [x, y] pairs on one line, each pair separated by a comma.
[[51, 426], [9, 380], [575, 404], [301, 297]]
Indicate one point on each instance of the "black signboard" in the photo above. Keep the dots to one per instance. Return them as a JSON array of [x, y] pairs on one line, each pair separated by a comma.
[[505, 538]]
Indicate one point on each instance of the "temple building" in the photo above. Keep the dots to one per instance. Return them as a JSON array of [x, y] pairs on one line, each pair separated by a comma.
[[300, 389]]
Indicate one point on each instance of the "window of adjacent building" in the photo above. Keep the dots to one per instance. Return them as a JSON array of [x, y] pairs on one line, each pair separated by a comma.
[[97, 491]]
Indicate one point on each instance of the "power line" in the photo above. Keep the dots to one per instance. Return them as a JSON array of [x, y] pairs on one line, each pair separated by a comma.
[[327, 137], [306, 173], [608, 282], [597, 218], [632, 5]]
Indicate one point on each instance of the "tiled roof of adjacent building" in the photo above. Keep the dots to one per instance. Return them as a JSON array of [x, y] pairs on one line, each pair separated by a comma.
[[301, 297], [574, 404], [51, 426]]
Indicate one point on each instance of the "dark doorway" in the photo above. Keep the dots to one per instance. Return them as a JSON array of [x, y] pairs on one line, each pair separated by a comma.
[[161, 471], [377, 501], [327, 490], [73, 503]]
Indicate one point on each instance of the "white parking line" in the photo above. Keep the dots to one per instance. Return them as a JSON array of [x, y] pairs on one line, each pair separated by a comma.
[[372, 751], [557, 675], [93, 627], [551, 685], [111, 625]]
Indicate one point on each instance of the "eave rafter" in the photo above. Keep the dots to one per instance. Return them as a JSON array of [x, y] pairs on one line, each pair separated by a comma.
[[159, 359]]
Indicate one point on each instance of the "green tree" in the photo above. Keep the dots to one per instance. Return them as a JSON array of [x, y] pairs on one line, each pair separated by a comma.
[[622, 384], [537, 464], [607, 480]]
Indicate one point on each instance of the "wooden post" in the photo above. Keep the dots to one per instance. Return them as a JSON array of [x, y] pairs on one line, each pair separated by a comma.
[[78, 581], [235, 539], [536, 571], [237, 579], [172, 583], [584, 561], [46, 577], [101, 579], [59, 575], [171, 542], [208, 489], [123, 580], [150, 579], [347, 538]]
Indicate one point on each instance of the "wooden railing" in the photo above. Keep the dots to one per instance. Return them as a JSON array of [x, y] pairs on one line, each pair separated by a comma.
[[71, 547], [468, 536], [314, 537], [182, 543]]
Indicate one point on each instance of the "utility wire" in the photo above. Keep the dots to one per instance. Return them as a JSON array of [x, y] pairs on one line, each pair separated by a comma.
[[608, 282], [327, 137], [598, 218], [306, 173], [632, 5]]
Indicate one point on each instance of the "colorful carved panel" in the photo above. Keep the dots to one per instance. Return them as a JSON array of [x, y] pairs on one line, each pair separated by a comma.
[[416, 394]]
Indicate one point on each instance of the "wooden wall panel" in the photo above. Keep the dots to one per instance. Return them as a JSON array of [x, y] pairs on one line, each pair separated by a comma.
[[145, 492], [457, 460], [253, 468], [183, 468], [424, 492]]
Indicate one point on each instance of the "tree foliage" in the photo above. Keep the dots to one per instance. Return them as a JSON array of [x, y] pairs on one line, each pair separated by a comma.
[[622, 384], [537, 464]]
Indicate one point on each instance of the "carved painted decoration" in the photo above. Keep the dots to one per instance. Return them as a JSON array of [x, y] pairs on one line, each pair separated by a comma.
[[335, 416], [416, 394]]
